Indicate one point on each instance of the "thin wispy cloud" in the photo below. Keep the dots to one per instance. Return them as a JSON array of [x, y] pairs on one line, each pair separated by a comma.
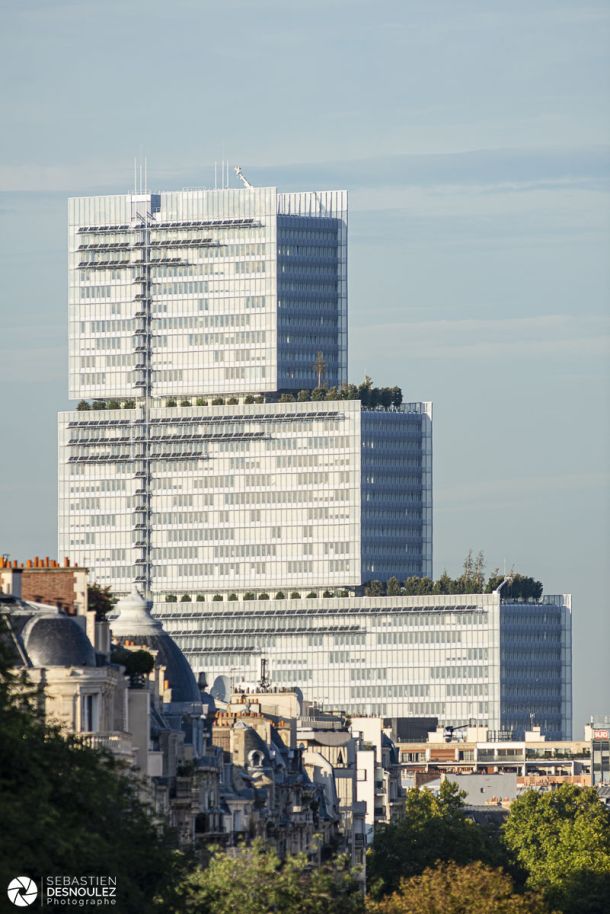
[[32, 366], [510, 491], [488, 340], [474, 140], [480, 168]]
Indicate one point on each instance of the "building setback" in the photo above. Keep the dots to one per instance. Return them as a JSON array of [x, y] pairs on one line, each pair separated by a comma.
[[206, 292], [194, 316], [195, 469], [467, 658], [247, 498]]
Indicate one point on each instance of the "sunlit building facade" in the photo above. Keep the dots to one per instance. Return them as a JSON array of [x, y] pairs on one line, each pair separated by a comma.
[[195, 470], [253, 497], [189, 468], [201, 292], [467, 658]]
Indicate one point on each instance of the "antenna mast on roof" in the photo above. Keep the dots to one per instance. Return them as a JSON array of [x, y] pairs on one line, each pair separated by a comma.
[[264, 682]]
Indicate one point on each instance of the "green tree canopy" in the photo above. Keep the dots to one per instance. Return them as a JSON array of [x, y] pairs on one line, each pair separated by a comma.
[[386, 397], [396, 397], [375, 589], [364, 391], [414, 586], [520, 587], [100, 600], [393, 587], [349, 392], [256, 881], [562, 839], [451, 889], [432, 828], [138, 664], [445, 584], [472, 580]]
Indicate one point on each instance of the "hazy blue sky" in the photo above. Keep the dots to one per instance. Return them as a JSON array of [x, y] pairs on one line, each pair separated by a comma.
[[474, 140]]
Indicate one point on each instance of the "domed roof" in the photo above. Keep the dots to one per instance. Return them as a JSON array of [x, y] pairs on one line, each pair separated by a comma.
[[131, 616], [57, 641], [132, 621]]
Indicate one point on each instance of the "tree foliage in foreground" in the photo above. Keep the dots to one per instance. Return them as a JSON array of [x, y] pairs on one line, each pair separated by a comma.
[[432, 828], [68, 809], [562, 840], [451, 889], [256, 881]]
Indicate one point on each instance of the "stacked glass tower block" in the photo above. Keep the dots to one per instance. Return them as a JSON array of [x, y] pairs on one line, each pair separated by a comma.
[[462, 658], [195, 319], [252, 514]]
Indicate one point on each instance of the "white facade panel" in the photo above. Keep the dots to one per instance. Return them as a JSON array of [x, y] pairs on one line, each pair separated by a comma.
[[176, 294], [183, 501], [455, 657], [248, 497]]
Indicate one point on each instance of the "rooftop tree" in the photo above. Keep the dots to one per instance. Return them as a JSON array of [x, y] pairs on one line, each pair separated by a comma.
[[100, 600], [518, 587]]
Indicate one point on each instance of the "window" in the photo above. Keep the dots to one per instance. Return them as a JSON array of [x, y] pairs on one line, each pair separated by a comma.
[[89, 713]]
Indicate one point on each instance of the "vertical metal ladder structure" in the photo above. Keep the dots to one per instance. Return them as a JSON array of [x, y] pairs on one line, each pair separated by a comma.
[[142, 344]]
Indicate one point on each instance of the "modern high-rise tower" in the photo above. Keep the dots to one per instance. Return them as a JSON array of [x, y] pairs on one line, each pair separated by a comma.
[[225, 291], [218, 458], [196, 463]]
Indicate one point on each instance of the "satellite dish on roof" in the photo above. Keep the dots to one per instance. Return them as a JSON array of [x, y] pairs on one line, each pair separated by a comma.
[[299, 695], [221, 688]]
